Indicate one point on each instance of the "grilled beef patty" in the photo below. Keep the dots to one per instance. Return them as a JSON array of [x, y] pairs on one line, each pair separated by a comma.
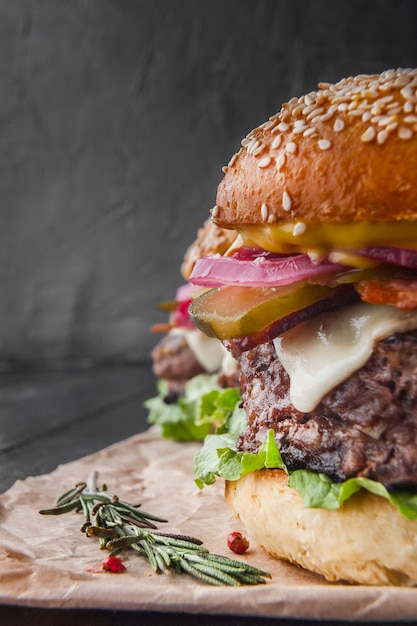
[[367, 426], [174, 361]]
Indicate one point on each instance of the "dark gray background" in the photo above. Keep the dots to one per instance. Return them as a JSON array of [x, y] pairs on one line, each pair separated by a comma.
[[116, 118]]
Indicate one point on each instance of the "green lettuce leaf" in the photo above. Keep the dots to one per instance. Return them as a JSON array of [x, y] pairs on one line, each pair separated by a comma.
[[319, 491], [219, 457], [204, 408]]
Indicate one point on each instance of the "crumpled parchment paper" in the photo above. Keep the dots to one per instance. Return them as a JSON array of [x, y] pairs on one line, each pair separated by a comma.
[[44, 559]]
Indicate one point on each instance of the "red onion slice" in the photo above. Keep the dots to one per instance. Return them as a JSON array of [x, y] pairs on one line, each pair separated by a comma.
[[404, 257], [266, 270], [180, 316]]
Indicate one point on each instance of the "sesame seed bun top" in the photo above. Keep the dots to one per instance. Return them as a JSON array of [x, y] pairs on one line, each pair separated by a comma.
[[344, 153]]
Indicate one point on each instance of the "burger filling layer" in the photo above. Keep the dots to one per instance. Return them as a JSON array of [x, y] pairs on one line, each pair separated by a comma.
[[325, 350], [365, 426], [322, 237]]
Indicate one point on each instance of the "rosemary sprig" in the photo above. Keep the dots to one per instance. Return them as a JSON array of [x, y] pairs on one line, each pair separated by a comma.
[[119, 525]]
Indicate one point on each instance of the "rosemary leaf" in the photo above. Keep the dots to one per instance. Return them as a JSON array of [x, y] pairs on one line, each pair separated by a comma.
[[71, 494], [122, 542], [136, 511], [193, 571], [178, 543], [233, 562], [150, 554], [63, 508], [198, 542], [163, 554], [86, 510], [224, 577]]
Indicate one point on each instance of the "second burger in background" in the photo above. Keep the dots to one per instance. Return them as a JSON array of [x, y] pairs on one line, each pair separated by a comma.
[[197, 377]]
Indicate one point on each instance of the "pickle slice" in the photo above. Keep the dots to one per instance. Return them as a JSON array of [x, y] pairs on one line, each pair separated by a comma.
[[235, 311]]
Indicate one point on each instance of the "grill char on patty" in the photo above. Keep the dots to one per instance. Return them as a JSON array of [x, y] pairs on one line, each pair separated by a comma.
[[366, 426]]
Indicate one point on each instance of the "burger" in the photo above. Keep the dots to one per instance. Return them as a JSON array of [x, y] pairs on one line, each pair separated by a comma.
[[196, 375], [317, 300]]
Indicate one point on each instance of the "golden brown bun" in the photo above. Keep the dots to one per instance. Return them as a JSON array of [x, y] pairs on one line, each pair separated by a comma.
[[366, 541], [347, 152], [210, 240]]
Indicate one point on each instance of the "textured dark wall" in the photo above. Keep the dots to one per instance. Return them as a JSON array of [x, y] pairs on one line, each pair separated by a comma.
[[116, 117]]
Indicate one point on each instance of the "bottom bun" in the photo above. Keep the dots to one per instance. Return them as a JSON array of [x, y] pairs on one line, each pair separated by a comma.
[[366, 541]]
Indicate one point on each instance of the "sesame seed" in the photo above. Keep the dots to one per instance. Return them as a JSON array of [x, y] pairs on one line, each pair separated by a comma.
[[300, 129], [369, 134], [324, 144], [277, 142], [286, 201], [309, 108], [408, 94], [280, 161], [382, 136], [326, 116], [291, 147], [283, 126], [410, 119], [309, 98], [386, 86], [270, 124], [299, 229], [405, 133], [366, 116], [310, 131], [408, 107], [232, 160], [252, 145], [338, 125], [272, 218], [394, 109], [298, 109], [400, 81], [314, 256], [392, 126], [224, 169], [258, 150], [265, 162], [264, 211], [215, 211], [385, 120], [317, 111], [386, 99], [356, 113]]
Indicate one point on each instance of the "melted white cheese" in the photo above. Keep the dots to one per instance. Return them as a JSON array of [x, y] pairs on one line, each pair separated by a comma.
[[208, 351], [321, 353], [229, 364]]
